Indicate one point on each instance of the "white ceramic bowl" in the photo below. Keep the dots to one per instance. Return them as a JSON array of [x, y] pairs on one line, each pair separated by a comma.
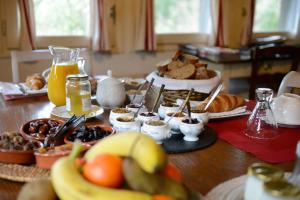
[[134, 108], [174, 122], [191, 131], [146, 116], [114, 114], [165, 108], [158, 132], [203, 116], [138, 97], [124, 126]]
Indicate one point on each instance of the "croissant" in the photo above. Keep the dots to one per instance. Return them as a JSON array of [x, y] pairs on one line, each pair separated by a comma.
[[222, 103], [35, 81]]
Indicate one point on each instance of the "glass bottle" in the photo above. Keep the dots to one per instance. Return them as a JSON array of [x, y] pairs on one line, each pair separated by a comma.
[[78, 94], [261, 123]]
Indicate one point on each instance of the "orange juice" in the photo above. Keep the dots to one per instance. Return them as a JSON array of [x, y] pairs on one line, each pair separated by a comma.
[[57, 82]]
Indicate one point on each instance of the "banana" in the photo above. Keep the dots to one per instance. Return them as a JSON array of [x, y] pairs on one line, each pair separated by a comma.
[[70, 185], [143, 149]]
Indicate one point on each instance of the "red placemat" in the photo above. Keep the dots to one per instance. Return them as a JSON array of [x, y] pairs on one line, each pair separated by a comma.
[[280, 149]]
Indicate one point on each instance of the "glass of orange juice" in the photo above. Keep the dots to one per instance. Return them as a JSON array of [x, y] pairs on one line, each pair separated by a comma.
[[64, 63]]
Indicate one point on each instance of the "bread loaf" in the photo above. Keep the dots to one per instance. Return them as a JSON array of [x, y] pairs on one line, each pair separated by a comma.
[[184, 72], [35, 81], [223, 103]]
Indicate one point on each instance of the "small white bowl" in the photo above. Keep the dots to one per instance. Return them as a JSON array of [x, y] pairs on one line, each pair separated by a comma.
[[115, 113], [203, 116], [157, 129], [134, 108], [138, 97], [191, 131], [146, 116], [122, 125], [174, 122], [167, 108]]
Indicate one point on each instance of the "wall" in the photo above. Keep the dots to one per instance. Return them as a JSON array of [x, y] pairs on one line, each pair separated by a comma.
[[130, 64]]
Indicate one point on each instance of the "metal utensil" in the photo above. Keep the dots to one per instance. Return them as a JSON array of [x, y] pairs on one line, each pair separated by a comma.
[[149, 86], [137, 91], [158, 97], [181, 108], [21, 88], [214, 95]]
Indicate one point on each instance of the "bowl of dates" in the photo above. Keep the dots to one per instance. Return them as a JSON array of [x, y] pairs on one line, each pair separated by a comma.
[[38, 129], [89, 134], [15, 149]]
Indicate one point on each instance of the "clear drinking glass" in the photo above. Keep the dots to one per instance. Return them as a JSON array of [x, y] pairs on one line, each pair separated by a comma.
[[261, 123]]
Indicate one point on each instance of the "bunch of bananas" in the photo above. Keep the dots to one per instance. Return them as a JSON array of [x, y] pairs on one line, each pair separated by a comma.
[[143, 160]]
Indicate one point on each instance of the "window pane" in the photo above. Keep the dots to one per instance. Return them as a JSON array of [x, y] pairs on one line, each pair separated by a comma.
[[173, 16], [267, 15], [61, 17]]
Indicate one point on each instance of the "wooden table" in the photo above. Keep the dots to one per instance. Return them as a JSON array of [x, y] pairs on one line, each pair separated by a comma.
[[202, 170]]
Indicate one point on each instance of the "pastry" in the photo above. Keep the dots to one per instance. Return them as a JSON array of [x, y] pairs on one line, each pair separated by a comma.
[[223, 103], [35, 81]]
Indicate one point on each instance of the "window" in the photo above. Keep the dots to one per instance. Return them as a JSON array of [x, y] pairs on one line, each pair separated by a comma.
[[57, 20], [276, 15], [183, 18]]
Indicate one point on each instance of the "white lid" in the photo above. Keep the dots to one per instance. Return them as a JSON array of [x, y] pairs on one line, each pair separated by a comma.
[[298, 149], [110, 80]]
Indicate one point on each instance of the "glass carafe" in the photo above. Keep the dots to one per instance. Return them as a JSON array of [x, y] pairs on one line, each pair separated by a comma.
[[261, 123], [65, 62]]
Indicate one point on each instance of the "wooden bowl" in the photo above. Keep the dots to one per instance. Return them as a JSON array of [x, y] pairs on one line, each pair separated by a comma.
[[105, 127], [18, 156], [24, 128]]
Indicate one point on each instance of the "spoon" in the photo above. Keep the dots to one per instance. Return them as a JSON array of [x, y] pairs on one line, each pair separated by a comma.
[[181, 108], [158, 97], [138, 91], [214, 95]]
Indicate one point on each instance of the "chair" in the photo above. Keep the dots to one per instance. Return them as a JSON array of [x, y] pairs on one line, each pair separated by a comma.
[[39, 55], [26, 56], [262, 54], [291, 80]]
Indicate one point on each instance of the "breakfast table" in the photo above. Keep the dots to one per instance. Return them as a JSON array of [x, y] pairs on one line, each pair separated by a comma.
[[202, 169]]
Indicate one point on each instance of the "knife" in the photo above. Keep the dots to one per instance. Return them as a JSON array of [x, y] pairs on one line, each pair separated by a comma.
[[21, 88]]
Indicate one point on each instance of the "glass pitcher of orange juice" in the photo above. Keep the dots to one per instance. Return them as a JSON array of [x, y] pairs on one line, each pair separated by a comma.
[[65, 62]]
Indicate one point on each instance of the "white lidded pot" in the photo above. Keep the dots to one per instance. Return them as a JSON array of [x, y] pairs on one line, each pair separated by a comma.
[[110, 92], [286, 109]]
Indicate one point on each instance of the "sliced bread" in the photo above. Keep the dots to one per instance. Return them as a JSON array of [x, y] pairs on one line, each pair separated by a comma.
[[185, 72]]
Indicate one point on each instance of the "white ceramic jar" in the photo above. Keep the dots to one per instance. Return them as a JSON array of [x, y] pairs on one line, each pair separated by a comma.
[[167, 108], [119, 112], [191, 131], [124, 124], [286, 109], [202, 116], [156, 129], [258, 173], [135, 107], [146, 116], [175, 121], [110, 92]]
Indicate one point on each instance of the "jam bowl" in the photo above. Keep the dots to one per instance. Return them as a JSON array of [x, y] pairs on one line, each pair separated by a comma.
[[167, 108], [157, 129], [136, 107], [200, 115], [127, 123], [191, 129], [119, 112], [146, 116], [175, 121]]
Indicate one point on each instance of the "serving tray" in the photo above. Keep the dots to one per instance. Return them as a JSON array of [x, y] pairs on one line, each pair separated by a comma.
[[176, 144]]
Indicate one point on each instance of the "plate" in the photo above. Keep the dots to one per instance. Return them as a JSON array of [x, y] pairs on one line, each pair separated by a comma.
[[8, 88], [62, 112], [240, 111], [284, 125]]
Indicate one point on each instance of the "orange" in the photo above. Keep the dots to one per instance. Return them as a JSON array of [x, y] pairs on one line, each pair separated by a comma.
[[104, 170], [173, 172], [162, 197]]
